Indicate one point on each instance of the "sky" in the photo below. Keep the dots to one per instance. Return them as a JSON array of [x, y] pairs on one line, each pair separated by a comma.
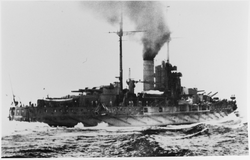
[[54, 47]]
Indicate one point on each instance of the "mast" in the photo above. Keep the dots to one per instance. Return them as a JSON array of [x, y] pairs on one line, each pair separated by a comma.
[[14, 100], [129, 74], [169, 39], [120, 34]]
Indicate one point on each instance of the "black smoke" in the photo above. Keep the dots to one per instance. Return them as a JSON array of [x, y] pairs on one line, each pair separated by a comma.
[[146, 15]]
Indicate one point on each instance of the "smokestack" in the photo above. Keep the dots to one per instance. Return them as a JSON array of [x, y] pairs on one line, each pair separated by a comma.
[[148, 75]]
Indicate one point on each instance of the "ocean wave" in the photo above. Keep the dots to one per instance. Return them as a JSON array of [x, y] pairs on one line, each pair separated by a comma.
[[16, 127], [224, 137]]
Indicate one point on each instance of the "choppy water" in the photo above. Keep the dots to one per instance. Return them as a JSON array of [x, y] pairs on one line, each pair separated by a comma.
[[226, 137]]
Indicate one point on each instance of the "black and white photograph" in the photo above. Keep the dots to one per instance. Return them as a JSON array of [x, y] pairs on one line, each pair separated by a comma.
[[124, 79]]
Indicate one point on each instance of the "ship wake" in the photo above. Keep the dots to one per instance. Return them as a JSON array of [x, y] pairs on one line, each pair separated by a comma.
[[32, 140]]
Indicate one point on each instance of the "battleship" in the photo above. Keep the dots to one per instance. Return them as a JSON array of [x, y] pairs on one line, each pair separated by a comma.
[[163, 101]]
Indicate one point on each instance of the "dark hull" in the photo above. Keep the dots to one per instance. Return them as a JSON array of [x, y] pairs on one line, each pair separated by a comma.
[[123, 116], [163, 119], [70, 121]]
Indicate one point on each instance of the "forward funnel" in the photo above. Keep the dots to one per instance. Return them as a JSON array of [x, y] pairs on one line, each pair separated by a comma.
[[148, 75]]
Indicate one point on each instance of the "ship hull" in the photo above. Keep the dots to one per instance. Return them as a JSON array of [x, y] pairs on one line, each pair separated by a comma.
[[70, 121], [163, 119], [124, 116]]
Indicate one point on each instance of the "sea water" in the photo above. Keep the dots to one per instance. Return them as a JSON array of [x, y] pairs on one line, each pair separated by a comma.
[[228, 136]]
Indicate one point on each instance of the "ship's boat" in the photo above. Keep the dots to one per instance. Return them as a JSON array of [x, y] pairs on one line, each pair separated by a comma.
[[162, 102]]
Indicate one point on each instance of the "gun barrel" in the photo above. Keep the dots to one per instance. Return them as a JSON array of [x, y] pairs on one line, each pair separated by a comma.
[[209, 93], [201, 91], [214, 94]]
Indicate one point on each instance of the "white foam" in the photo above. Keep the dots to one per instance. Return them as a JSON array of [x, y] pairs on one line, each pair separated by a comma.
[[79, 126], [231, 121], [13, 127]]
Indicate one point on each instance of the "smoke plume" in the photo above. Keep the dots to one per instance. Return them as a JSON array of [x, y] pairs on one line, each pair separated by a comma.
[[146, 15]]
